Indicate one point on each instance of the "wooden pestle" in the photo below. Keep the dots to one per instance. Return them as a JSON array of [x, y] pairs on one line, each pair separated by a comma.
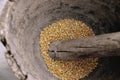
[[104, 45]]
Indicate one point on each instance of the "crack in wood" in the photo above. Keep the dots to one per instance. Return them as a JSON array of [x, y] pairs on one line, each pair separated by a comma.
[[12, 61]]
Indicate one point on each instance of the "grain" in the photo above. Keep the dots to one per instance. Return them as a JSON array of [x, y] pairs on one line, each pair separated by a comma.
[[63, 30]]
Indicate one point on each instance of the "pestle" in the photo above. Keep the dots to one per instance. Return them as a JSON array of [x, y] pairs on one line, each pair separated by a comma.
[[104, 45]]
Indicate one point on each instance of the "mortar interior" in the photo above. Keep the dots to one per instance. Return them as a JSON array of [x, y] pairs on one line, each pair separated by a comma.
[[28, 18]]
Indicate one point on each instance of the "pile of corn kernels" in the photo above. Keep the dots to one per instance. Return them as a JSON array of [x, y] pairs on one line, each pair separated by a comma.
[[63, 30]]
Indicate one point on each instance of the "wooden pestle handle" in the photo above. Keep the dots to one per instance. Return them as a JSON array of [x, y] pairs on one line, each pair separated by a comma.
[[95, 46]]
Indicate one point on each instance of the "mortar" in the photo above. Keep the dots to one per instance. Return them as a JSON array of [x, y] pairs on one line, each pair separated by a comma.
[[27, 18]]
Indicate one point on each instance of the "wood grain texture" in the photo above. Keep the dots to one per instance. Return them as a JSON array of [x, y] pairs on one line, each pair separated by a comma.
[[98, 46]]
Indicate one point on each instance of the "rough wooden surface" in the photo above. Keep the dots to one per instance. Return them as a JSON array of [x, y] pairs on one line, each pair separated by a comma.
[[105, 45], [28, 17]]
